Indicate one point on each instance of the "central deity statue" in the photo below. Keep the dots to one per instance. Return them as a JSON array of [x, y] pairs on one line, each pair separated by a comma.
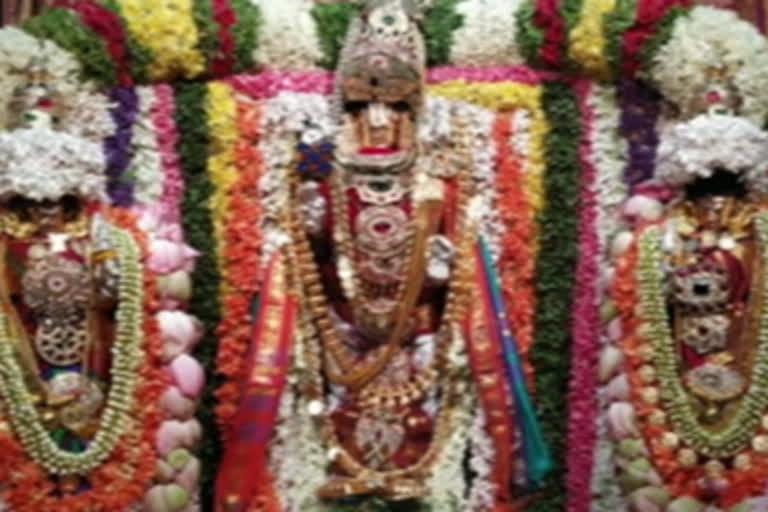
[[382, 367]]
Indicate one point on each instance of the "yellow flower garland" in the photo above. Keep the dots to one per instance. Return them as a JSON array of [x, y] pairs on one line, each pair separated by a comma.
[[167, 29], [221, 110], [587, 39], [509, 96]]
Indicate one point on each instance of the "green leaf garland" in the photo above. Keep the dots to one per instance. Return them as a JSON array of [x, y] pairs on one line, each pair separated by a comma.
[[440, 22], [198, 226], [63, 27], [207, 30], [615, 24], [555, 271], [332, 21], [529, 36], [245, 32]]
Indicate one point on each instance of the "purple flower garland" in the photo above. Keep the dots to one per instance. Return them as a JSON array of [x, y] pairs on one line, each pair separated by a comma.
[[118, 147], [640, 110]]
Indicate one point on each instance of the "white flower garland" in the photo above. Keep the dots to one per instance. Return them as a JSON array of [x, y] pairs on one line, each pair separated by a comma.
[[288, 38], [609, 157], [86, 114], [288, 118], [714, 48], [40, 163], [146, 166], [695, 149], [487, 36], [19, 51], [482, 495]]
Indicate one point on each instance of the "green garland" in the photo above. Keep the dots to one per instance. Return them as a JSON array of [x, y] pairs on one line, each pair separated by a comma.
[[207, 30], [440, 22], [245, 32], [141, 57], [570, 12], [726, 441], [555, 271], [64, 28], [530, 37], [661, 36], [615, 24], [196, 217], [332, 21]]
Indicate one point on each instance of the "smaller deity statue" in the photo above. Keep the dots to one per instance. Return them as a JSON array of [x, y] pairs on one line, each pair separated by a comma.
[[691, 290]]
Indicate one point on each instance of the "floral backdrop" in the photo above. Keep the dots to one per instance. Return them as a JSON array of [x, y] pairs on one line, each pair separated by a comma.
[[578, 91]]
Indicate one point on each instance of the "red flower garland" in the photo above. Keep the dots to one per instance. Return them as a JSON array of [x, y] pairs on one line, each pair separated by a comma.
[[109, 27], [242, 257], [649, 14], [549, 20], [123, 479], [225, 16]]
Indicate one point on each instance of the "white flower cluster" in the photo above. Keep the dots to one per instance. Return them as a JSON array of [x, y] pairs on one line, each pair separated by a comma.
[[288, 39], [146, 165], [288, 119], [19, 52], [713, 51], [86, 114], [44, 164], [695, 149], [487, 36]]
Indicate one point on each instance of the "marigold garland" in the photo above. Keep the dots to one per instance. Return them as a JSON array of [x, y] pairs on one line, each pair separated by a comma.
[[241, 255], [169, 31], [221, 110], [516, 263], [140, 57], [121, 481], [587, 39]]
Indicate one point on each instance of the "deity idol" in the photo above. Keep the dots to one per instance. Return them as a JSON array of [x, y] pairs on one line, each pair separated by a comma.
[[692, 431], [80, 377], [383, 365]]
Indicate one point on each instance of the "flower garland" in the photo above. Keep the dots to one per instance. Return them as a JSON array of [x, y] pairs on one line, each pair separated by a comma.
[[118, 147], [119, 482], [441, 20], [728, 53], [208, 32], [299, 51], [109, 28], [241, 255], [504, 95], [516, 263], [167, 137], [245, 33], [587, 39], [552, 17], [640, 41], [223, 63], [640, 110], [609, 157], [615, 25], [221, 113], [487, 36], [146, 166], [555, 276], [196, 218], [530, 38], [140, 57], [585, 322], [169, 32], [63, 28]]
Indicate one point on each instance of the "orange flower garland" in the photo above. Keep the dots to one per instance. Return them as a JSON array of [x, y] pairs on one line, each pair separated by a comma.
[[679, 480], [516, 265], [122, 481], [241, 256]]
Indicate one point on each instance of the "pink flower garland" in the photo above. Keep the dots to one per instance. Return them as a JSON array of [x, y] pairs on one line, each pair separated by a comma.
[[167, 137], [582, 434], [519, 74]]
